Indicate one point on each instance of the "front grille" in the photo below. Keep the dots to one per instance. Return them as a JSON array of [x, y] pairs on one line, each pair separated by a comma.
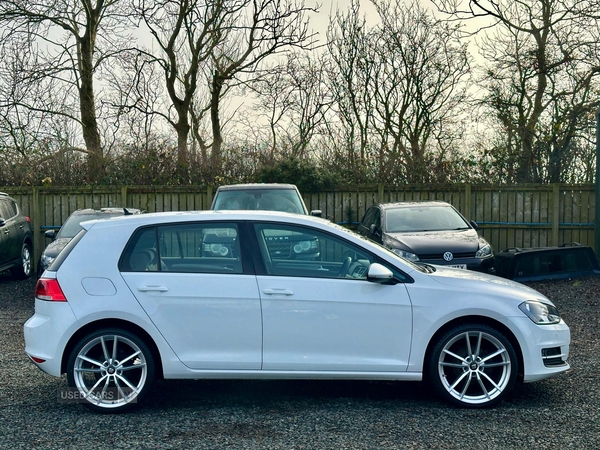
[[279, 249], [553, 357], [440, 256]]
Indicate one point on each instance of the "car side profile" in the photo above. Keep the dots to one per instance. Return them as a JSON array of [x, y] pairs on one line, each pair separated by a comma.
[[16, 239], [133, 299]]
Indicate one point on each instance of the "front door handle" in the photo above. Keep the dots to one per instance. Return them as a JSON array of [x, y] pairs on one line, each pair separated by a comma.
[[278, 292], [152, 288]]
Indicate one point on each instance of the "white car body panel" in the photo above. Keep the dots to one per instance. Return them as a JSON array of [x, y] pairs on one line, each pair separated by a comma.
[[334, 325], [209, 322]]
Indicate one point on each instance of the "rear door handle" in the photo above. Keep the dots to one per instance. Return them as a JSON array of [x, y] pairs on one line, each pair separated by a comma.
[[152, 288], [278, 292]]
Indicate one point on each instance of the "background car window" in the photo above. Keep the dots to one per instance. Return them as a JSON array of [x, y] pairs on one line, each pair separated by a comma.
[[7, 209], [281, 245], [195, 248]]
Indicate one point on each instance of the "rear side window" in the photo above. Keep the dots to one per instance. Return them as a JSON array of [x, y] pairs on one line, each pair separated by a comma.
[[7, 209], [187, 248]]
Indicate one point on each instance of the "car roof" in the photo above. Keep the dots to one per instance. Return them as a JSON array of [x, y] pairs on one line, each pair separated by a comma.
[[208, 215], [250, 186], [412, 204]]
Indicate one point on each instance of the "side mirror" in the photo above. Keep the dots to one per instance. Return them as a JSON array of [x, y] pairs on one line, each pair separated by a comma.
[[2, 222], [316, 213], [50, 234], [374, 230], [379, 274], [474, 224]]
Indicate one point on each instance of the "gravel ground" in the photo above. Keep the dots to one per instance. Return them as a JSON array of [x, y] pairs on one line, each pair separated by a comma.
[[562, 412]]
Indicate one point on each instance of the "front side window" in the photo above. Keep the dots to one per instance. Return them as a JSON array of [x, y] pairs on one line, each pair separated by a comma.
[[283, 246], [189, 248]]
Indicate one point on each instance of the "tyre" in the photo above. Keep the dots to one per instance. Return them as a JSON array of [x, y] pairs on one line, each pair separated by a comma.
[[24, 269], [112, 370], [473, 366]]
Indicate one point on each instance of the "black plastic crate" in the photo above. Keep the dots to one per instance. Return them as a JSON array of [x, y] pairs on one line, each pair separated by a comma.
[[542, 263]]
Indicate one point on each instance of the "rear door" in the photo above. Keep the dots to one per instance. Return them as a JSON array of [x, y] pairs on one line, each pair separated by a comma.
[[191, 281]]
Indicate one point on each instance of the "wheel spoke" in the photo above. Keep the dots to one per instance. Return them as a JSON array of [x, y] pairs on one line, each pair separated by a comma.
[[130, 357], [133, 367], [459, 380], [460, 358], [490, 380], [493, 355], [498, 364], [483, 389], [479, 341], [87, 370], [104, 349], [469, 351], [114, 353], [454, 365], [90, 360], [126, 381]]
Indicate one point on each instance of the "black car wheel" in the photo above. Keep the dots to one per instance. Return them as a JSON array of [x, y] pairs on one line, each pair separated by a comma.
[[473, 366], [112, 369]]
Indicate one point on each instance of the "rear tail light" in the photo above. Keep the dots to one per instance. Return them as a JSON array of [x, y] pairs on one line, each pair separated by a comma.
[[48, 289], [28, 219]]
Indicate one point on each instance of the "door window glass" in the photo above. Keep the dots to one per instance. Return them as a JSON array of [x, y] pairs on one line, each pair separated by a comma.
[[305, 252], [196, 248]]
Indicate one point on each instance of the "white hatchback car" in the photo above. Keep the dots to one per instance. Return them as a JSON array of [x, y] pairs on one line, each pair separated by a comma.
[[210, 295]]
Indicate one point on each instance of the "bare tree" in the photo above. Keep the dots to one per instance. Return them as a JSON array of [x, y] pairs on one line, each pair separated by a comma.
[[350, 80], [72, 46], [256, 31], [186, 31], [541, 74]]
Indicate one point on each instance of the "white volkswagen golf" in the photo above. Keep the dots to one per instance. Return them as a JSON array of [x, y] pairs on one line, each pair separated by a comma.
[[222, 295]]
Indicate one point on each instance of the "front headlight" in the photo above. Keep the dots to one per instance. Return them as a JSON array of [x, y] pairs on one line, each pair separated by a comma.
[[540, 313], [485, 249], [408, 255]]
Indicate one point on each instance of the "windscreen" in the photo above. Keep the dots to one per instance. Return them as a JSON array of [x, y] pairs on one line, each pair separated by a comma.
[[423, 218]]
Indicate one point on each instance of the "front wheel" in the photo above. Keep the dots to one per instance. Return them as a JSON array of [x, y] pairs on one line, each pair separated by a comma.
[[112, 370], [473, 366]]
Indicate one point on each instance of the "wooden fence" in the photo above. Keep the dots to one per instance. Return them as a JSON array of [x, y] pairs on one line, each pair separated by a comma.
[[508, 216]]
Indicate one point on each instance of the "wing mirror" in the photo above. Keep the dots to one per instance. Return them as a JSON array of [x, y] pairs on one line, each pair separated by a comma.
[[316, 213], [379, 274], [374, 230]]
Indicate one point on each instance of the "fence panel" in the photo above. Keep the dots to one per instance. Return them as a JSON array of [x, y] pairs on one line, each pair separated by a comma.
[[508, 216]]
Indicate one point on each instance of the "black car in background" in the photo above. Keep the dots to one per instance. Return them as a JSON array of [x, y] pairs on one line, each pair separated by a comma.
[[429, 232], [71, 227], [16, 239]]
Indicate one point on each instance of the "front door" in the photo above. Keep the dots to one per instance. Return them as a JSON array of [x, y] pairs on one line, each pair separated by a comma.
[[323, 315]]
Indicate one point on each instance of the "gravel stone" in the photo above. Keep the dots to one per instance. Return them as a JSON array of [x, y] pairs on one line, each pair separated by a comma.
[[561, 412]]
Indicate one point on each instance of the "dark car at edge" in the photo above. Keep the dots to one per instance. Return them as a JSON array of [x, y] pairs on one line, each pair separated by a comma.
[[16, 239]]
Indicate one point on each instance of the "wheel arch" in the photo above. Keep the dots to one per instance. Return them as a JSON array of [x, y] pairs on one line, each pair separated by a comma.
[[476, 320], [112, 323]]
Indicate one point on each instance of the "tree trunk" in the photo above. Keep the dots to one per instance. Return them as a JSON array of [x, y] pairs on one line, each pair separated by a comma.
[[87, 104]]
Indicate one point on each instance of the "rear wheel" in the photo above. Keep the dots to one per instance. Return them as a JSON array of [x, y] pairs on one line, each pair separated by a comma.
[[23, 270], [473, 366], [112, 369]]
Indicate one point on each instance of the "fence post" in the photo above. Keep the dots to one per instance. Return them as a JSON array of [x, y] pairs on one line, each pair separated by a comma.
[[124, 197], [380, 193], [555, 213], [37, 226], [467, 210]]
